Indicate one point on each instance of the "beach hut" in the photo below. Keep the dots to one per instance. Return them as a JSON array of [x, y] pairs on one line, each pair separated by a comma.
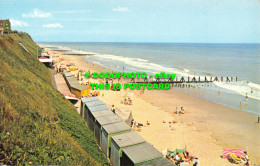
[[139, 154], [110, 130], [79, 90], [162, 161], [82, 106], [93, 106], [99, 122], [84, 100], [98, 114], [76, 88], [121, 141]]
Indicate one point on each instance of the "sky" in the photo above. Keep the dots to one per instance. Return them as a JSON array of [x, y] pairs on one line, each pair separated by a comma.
[[175, 21]]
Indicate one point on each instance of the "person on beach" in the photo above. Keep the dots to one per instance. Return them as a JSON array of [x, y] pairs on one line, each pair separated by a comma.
[[182, 110], [177, 158], [251, 90], [113, 109], [246, 96], [133, 125], [195, 162], [176, 111], [132, 122], [245, 159]]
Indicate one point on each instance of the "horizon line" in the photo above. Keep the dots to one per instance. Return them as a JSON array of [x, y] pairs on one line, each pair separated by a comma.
[[144, 42]]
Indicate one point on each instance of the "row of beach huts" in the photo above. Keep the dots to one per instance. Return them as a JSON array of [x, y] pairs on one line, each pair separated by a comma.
[[120, 144]]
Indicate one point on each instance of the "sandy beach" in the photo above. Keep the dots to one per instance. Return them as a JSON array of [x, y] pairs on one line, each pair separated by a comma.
[[205, 128]]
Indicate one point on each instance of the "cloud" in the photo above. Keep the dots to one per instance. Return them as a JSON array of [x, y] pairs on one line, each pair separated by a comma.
[[36, 13], [56, 25], [92, 19], [71, 11], [121, 9], [18, 23]]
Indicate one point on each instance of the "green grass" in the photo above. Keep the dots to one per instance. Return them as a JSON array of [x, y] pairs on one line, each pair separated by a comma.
[[28, 106]]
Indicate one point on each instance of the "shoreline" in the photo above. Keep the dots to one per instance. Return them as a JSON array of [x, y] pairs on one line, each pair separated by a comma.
[[203, 127]]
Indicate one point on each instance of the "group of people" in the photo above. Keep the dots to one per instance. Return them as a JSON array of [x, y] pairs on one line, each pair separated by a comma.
[[126, 101], [184, 159], [179, 111], [136, 126], [239, 159]]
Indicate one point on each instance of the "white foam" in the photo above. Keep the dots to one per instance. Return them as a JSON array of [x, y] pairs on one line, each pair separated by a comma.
[[142, 60], [143, 64], [81, 52], [96, 63], [241, 87]]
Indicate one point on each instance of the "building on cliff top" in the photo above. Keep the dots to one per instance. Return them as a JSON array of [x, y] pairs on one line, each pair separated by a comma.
[[5, 26]]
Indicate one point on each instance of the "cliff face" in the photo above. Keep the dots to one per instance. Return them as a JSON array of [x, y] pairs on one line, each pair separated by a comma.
[[37, 124]]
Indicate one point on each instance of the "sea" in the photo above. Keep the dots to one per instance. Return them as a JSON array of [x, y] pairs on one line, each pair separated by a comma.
[[186, 60]]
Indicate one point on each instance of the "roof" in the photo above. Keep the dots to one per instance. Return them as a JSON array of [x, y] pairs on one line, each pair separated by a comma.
[[97, 108], [73, 83], [97, 114], [108, 119], [96, 105], [127, 139], [88, 99], [68, 74], [163, 161], [78, 86], [93, 103], [116, 127], [142, 153], [71, 80]]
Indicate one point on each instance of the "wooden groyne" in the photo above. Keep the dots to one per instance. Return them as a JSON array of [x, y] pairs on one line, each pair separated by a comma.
[[189, 80]]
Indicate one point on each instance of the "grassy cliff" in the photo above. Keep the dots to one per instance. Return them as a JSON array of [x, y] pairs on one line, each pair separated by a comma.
[[37, 124]]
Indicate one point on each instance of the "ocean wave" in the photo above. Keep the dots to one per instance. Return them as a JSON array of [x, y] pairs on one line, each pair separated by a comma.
[[96, 62], [81, 52], [143, 64], [141, 60], [241, 87]]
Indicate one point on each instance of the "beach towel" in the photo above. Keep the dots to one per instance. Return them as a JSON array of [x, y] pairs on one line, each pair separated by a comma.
[[237, 152]]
